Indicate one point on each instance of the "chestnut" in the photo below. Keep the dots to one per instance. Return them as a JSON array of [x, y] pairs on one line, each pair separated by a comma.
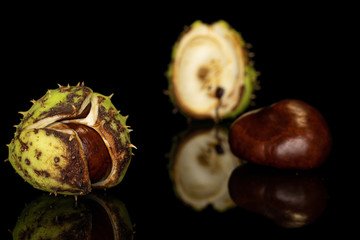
[[71, 141], [288, 198], [289, 134]]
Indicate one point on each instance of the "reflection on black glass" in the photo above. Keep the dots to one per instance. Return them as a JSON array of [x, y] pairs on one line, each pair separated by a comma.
[[200, 166], [291, 199], [91, 217]]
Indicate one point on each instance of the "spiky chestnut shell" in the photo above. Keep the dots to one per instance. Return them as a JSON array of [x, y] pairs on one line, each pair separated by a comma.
[[211, 75], [53, 158], [94, 217]]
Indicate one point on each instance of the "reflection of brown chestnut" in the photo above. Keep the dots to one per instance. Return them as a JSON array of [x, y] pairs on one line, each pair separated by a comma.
[[287, 134], [290, 199]]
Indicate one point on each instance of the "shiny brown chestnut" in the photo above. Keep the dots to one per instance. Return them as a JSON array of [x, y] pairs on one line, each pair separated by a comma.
[[289, 134], [290, 199]]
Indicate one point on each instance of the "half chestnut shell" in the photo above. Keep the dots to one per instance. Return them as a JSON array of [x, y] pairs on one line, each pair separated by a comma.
[[211, 75]]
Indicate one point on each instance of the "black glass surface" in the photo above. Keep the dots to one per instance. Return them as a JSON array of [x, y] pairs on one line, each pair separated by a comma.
[[128, 56]]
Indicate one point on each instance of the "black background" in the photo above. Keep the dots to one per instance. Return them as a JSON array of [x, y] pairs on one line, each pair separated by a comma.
[[126, 51]]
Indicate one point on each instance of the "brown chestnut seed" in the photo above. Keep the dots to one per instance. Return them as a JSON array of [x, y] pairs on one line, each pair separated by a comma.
[[95, 151], [288, 134], [97, 155]]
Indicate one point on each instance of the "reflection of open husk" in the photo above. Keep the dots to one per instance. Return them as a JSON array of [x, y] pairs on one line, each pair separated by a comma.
[[288, 198], [91, 217], [200, 167]]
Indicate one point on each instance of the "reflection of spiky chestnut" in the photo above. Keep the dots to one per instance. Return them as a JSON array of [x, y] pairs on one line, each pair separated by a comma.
[[210, 75], [71, 140], [201, 163], [91, 217]]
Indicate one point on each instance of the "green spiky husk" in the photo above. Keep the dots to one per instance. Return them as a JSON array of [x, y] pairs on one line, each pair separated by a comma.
[[51, 160]]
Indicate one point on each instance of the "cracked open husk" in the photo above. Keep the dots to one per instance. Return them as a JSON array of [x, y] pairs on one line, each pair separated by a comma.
[[55, 145], [211, 75]]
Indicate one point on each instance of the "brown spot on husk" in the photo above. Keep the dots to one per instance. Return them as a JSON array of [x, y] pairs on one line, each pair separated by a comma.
[[75, 173], [24, 146], [100, 99], [115, 135], [42, 173], [67, 108], [242, 89], [119, 151], [202, 73], [60, 109], [27, 161], [219, 92], [37, 154], [25, 172], [28, 115]]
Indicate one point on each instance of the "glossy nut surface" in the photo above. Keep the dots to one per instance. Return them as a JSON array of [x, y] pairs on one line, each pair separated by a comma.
[[288, 134]]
